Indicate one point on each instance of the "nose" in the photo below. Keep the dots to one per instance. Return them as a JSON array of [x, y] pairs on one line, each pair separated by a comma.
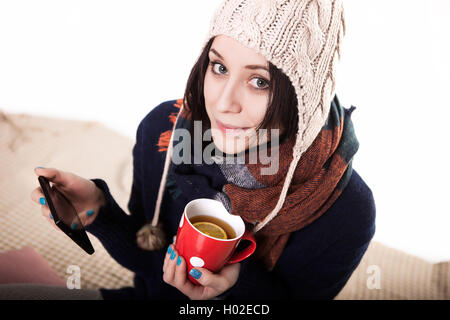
[[229, 100]]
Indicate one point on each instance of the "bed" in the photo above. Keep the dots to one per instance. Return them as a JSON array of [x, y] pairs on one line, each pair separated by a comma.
[[92, 150]]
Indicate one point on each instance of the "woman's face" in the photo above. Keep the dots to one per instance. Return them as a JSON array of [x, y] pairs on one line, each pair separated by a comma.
[[236, 92]]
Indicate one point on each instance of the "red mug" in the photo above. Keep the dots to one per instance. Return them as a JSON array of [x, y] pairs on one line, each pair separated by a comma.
[[203, 251]]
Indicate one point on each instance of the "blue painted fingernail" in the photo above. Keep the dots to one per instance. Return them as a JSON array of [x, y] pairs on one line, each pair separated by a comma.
[[74, 226], [195, 273], [42, 201], [178, 261], [50, 216], [169, 249], [172, 256], [39, 168], [90, 213]]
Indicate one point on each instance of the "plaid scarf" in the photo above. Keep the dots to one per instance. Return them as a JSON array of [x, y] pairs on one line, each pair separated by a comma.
[[320, 177]]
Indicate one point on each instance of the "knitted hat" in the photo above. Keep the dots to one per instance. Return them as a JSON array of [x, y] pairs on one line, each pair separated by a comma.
[[302, 38]]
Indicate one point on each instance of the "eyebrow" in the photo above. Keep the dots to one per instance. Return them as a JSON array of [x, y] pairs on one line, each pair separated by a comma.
[[250, 66]]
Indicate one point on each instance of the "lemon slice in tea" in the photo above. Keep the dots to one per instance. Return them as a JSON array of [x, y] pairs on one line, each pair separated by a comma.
[[211, 229]]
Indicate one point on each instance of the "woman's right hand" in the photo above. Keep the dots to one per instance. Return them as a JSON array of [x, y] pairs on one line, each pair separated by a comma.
[[85, 196]]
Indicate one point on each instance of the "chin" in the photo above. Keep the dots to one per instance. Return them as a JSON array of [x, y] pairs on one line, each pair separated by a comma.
[[229, 146]]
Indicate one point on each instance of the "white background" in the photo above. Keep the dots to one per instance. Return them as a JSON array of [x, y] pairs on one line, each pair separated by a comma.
[[113, 61]]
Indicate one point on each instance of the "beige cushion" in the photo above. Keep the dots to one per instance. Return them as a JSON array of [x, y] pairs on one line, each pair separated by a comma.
[[92, 150], [387, 273], [86, 148]]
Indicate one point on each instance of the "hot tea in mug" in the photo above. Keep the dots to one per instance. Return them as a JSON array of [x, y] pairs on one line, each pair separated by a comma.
[[213, 227], [208, 235]]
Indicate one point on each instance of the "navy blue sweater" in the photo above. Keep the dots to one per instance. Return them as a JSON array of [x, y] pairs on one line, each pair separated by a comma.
[[315, 264]]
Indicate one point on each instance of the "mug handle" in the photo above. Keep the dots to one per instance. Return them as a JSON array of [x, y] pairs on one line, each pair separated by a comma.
[[244, 253]]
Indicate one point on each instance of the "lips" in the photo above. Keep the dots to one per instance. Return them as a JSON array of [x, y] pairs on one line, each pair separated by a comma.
[[225, 128]]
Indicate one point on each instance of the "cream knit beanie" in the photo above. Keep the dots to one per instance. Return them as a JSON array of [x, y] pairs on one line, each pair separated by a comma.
[[302, 38]]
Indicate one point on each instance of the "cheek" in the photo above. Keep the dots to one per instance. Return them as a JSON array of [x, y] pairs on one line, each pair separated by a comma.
[[211, 91], [208, 92], [210, 88], [258, 110]]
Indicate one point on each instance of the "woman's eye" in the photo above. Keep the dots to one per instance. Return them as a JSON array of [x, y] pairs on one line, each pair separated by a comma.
[[260, 83], [218, 68]]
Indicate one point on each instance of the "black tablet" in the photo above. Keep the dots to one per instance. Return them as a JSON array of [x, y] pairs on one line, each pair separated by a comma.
[[65, 216]]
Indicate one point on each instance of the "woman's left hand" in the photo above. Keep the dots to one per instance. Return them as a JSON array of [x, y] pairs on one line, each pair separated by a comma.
[[211, 284]]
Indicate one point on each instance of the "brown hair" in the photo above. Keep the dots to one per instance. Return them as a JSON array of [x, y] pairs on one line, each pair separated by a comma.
[[282, 109]]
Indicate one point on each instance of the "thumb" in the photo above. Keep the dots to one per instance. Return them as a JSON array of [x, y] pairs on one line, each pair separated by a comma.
[[52, 174]]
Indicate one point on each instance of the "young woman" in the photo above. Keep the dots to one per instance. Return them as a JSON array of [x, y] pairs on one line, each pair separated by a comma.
[[265, 65]]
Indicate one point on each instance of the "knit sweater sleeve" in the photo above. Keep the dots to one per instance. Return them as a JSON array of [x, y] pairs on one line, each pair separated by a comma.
[[116, 230], [324, 277], [328, 254]]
